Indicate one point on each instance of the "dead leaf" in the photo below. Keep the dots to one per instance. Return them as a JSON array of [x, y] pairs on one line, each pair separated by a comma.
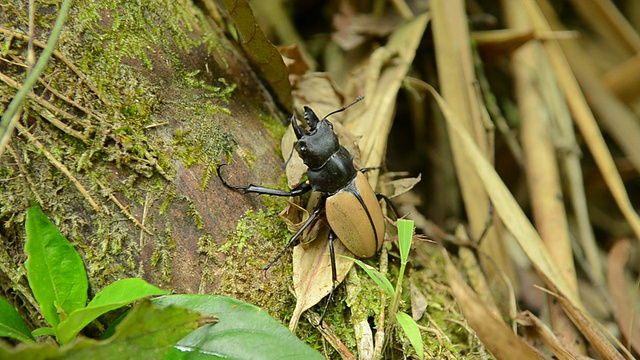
[[354, 30], [312, 273], [400, 186], [264, 57], [519, 225], [493, 332], [382, 78], [293, 59], [625, 308], [545, 334], [418, 301]]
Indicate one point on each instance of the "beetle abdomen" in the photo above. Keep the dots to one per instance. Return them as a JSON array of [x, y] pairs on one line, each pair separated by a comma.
[[355, 216]]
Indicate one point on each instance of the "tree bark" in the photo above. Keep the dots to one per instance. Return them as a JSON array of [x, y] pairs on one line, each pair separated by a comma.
[[140, 104]]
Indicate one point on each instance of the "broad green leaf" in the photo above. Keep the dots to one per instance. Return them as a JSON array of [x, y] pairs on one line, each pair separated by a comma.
[[411, 330], [54, 269], [405, 235], [30, 351], [147, 332], [116, 295], [376, 275], [11, 324], [243, 331]]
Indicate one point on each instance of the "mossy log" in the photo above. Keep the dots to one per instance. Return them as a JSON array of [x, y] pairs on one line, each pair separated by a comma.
[[119, 143]]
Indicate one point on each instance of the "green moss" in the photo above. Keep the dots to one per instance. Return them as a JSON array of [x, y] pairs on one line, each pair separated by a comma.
[[207, 246], [259, 237], [274, 127], [192, 212], [199, 141]]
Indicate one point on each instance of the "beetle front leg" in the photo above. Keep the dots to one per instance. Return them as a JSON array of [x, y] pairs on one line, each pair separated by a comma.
[[313, 216], [334, 275], [298, 190]]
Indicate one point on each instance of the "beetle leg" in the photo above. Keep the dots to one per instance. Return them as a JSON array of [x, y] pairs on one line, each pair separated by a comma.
[[367, 169], [313, 216], [298, 190], [334, 275], [389, 204]]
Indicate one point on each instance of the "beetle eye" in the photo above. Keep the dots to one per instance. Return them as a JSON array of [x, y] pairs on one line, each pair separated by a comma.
[[302, 147]]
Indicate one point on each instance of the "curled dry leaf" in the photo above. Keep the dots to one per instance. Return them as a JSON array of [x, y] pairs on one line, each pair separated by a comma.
[[397, 187], [294, 60], [355, 29]]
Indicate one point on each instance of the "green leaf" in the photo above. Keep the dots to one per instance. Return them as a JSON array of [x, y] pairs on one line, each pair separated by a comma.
[[243, 331], [147, 332], [376, 275], [11, 324], [116, 295], [43, 331], [405, 235], [411, 330], [54, 269], [31, 351]]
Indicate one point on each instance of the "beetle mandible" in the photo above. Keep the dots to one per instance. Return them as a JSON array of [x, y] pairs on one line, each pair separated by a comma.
[[350, 204]]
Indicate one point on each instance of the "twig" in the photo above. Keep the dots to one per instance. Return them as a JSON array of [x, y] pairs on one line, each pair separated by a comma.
[[16, 103], [330, 336], [57, 123], [57, 164], [60, 57], [123, 209]]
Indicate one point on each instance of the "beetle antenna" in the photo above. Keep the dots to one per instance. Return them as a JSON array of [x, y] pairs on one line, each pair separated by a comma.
[[360, 97], [284, 166]]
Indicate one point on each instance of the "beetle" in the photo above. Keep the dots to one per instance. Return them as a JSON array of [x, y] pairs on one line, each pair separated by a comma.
[[350, 204]]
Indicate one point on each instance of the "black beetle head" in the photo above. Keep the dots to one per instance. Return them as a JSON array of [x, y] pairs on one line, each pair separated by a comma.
[[317, 144]]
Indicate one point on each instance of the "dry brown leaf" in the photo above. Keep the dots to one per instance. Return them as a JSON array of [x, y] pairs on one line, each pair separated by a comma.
[[628, 318], [294, 60], [501, 42], [312, 272], [545, 334], [418, 301], [537, 134], [384, 76], [400, 186], [493, 332], [516, 221], [584, 118], [353, 30]]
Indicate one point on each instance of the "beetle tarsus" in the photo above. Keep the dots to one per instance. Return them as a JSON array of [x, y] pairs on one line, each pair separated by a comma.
[[334, 276], [367, 169]]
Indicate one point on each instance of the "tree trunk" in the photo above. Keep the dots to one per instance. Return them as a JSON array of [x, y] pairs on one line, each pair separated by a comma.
[[119, 144]]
